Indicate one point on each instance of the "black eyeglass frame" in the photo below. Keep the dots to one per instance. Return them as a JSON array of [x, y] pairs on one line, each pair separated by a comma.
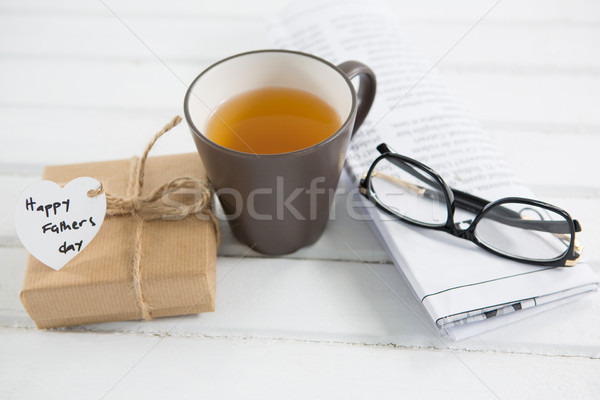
[[480, 207]]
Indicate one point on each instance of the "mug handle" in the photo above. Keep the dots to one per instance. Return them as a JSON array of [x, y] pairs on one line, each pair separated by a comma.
[[366, 89]]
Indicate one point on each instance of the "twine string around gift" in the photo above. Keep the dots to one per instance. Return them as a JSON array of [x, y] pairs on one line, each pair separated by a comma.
[[151, 207]]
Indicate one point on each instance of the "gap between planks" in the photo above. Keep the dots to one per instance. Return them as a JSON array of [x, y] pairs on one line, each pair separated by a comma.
[[258, 339]]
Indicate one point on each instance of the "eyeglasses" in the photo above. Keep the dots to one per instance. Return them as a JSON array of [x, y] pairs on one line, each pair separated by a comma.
[[520, 229]]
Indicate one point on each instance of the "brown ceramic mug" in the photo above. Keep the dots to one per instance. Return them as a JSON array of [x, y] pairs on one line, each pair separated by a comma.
[[278, 203]]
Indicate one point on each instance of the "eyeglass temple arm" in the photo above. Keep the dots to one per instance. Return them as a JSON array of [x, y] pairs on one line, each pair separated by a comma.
[[476, 204], [384, 148]]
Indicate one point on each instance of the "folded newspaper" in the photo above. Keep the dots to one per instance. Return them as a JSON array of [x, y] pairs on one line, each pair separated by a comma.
[[464, 289]]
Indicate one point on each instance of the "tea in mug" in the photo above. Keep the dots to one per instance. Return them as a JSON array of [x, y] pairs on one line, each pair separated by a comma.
[[272, 120]]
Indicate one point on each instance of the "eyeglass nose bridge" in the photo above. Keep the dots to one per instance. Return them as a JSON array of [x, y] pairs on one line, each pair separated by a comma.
[[463, 225], [462, 229]]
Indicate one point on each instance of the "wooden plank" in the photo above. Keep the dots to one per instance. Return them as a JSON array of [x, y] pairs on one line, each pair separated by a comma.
[[328, 301], [59, 135], [12, 189], [73, 366], [554, 11], [182, 9], [544, 49], [101, 37], [573, 12], [92, 84], [12, 268]]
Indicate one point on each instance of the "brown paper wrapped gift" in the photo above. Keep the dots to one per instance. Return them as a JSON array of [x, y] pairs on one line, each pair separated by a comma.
[[176, 268]]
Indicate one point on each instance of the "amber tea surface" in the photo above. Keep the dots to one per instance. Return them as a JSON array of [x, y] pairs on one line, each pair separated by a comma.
[[272, 120]]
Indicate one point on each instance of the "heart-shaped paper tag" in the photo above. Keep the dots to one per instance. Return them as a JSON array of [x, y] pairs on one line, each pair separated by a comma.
[[54, 223]]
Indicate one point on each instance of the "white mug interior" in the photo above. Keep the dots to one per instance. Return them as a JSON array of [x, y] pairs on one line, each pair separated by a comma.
[[256, 70]]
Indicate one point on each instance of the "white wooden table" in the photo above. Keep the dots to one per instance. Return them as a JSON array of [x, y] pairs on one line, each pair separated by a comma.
[[91, 80]]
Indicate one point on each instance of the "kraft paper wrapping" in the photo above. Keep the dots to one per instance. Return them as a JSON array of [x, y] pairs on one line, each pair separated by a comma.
[[177, 264]]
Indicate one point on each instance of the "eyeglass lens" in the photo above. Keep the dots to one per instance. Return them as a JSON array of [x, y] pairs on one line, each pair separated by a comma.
[[410, 192], [531, 232]]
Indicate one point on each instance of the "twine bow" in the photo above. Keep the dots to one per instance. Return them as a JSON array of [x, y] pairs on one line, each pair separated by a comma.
[[149, 207]]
